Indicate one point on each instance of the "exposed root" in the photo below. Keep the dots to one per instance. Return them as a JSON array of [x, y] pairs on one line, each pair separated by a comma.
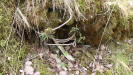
[[64, 22]]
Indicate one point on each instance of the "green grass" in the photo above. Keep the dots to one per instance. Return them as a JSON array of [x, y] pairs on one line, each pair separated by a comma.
[[120, 58]]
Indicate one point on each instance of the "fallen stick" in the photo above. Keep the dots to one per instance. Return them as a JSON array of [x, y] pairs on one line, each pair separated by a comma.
[[66, 54]]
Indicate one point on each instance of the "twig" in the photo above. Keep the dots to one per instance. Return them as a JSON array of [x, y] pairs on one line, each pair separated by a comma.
[[70, 44], [8, 38], [34, 57], [60, 44], [63, 23], [105, 11], [23, 17], [102, 38], [65, 40], [105, 29], [69, 57]]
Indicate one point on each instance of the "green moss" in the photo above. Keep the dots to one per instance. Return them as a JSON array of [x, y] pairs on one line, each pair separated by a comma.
[[12, 54]]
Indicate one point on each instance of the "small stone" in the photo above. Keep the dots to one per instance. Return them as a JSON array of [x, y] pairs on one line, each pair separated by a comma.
[[118, 43], [102, 47], [41, 55], [109, 65], [62, 73], [9, 58], [70, 64], [93, 73], [21, 72], [37, 73], [29, 70], [77, 72], [130, 41], [28, 63]]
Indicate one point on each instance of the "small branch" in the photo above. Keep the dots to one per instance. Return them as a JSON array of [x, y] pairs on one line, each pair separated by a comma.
[[60, 44], [63, 23], [65, 53], [70, 44], [105, 28], [23, 17], [66, 40], [8, 38]]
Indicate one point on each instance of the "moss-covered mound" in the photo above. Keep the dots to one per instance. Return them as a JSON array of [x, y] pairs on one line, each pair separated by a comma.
[[94, 21], [97, 20]]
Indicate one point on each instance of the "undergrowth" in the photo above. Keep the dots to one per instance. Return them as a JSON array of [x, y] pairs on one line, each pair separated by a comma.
[[13, 52], [121, 57]]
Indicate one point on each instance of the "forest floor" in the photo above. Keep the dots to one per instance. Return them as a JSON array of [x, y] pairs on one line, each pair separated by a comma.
[[114, 58]]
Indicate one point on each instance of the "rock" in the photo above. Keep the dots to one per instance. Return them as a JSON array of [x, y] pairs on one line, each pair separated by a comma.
[[37, 73], [28, 63], [29, 70], [63, 73]]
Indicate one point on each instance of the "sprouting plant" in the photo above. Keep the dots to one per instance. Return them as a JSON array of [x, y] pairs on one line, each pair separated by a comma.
[[3, 43], [74, 30], [78, 33], [44, 36], [81, 38]]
